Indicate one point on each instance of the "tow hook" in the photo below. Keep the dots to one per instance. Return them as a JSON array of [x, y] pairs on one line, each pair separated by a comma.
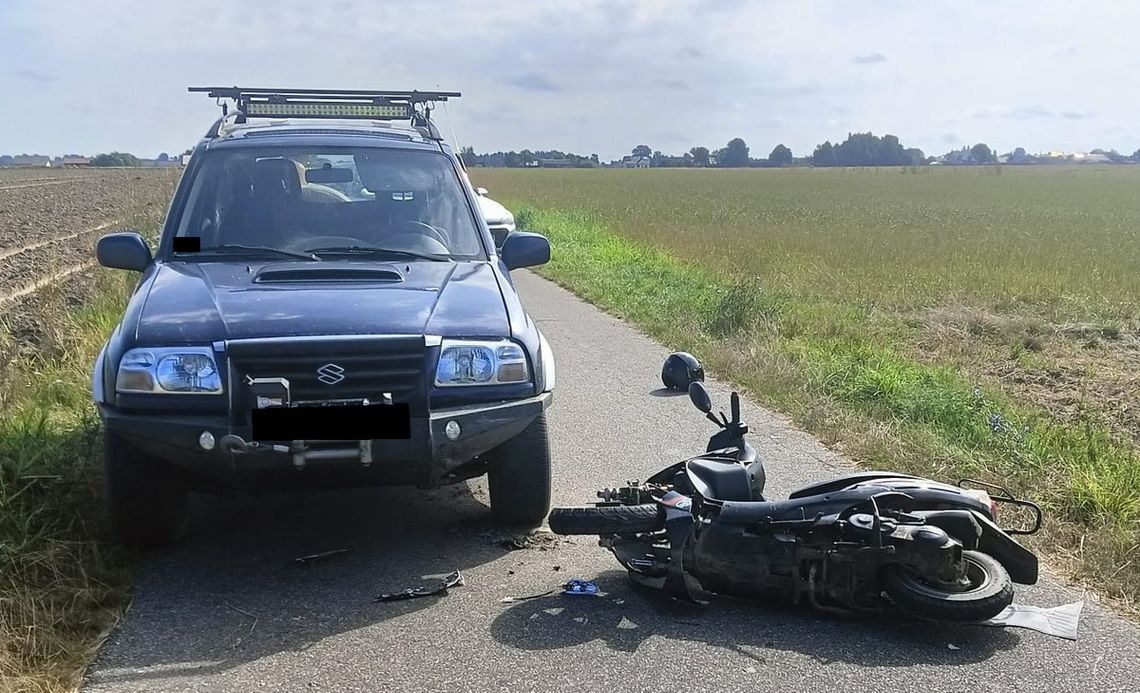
[[235, 444], [299, 452]]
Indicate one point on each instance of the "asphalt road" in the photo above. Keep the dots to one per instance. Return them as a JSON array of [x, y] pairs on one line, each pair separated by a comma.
[[226, 611]]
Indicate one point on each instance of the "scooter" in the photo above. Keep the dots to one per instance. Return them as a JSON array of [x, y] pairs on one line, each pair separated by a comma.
[[863, 542]]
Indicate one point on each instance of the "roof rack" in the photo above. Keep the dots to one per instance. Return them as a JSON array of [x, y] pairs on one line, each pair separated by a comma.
[[414, 106]]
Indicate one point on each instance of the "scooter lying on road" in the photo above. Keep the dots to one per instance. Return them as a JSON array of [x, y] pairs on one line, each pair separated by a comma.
[[864, 542]]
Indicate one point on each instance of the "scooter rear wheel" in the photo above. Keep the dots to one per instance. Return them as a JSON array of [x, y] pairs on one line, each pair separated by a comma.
[[607, 519], [989, 591]]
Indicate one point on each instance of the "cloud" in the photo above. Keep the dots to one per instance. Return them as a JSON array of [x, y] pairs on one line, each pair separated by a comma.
[[33, 76], [673, 84], [787, 90], [1016, 113], [1031, 112], [534, 81], [642, 66]]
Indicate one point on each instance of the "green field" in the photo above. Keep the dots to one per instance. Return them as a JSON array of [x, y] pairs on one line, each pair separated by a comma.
[[953, 322], [888, 237]]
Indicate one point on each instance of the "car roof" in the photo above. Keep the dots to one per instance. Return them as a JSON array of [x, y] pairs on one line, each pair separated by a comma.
[[322, 132]]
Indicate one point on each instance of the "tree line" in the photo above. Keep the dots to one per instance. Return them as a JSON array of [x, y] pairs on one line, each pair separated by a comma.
[[859, 149]]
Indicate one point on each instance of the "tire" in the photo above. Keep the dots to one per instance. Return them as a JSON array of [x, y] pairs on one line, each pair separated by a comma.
[[147, 506], [607, 519], [990, 592], [519, 477]]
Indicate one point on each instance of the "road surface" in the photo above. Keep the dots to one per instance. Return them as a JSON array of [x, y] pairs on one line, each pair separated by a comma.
[[226, 611]]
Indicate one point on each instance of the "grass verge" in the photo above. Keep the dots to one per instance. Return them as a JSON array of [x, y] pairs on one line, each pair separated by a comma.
[[62, 585], [840, 375]]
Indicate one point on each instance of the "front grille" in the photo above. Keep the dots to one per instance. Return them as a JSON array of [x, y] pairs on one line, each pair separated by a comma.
[[356, 368]]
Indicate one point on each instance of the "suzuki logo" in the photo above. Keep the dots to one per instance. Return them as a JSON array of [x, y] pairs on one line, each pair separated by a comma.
[[330, 374]]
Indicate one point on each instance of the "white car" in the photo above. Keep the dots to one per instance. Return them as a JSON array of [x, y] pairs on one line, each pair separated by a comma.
[[499, 219]]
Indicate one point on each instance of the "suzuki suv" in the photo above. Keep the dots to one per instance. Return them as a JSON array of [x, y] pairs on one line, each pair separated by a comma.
[[325, 307]]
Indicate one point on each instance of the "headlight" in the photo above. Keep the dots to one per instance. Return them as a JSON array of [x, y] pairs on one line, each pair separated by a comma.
[[184, 370], [481, 363]]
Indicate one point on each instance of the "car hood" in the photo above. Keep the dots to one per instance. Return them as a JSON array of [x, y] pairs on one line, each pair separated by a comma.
[[493, 211], [203, 302]]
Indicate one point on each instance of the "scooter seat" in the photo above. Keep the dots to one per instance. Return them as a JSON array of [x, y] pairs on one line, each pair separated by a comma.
[[845, 481], [723, 481], [809, 508]]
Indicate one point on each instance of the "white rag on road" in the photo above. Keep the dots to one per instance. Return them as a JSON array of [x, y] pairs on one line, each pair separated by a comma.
[[1058, 621]]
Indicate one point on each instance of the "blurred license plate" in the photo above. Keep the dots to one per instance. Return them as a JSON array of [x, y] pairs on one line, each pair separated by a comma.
[[344, 422]]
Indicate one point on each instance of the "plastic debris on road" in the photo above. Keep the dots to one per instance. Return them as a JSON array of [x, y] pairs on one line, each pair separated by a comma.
[[1059, 621], [455, 579], [580, 587], [572, 587], [316, 557]]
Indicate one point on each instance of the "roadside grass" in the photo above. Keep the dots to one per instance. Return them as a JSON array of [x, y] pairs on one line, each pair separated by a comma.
[[844, 372], [63, 583]]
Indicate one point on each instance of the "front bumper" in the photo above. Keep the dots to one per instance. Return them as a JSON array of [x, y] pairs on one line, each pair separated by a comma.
[[427, 458]]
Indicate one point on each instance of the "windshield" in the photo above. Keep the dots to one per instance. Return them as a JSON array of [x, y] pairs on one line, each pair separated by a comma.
[[329, 202]]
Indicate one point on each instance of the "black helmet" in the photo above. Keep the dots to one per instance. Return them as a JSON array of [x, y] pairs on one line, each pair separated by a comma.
[[680, 369]]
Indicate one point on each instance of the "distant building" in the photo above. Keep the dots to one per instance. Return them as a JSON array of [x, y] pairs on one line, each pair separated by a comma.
[[40, 161], [74, 161], [554, 163], [958, 158], [636, 161], [1093, 158]]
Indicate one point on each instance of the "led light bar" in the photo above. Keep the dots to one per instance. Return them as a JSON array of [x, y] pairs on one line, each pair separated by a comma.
[[312, 109], [414, 106]]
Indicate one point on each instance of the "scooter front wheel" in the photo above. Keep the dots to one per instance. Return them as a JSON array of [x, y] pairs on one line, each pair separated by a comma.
[[984, 592], [607, 519]]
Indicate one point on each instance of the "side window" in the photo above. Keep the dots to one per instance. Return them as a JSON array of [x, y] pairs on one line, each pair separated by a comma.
[[212, 199], [198, 218]]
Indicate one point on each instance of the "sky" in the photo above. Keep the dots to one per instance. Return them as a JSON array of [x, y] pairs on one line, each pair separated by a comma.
[[588, 76]]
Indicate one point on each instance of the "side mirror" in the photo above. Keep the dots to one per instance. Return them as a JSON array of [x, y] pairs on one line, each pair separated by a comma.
[[481, 191], [699, 396], [125, 250], [522, 249]]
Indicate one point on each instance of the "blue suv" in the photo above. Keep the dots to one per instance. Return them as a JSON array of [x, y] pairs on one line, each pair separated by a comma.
[[326, 307]]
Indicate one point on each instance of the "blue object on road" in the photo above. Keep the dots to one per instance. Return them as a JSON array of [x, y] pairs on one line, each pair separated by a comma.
[[576, 587]]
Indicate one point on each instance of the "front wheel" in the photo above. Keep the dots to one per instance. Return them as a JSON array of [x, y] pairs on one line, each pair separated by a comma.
[[519, 477], [983, 593], [147, 506]]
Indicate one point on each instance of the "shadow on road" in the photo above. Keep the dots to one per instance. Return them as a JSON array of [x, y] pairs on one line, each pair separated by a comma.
[[627, 616], [232, 593]]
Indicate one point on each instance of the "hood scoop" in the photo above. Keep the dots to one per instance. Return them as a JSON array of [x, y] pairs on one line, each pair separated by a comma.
[[326, 273]]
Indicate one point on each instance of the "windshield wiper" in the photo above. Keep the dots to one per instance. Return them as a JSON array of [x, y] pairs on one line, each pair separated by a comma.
[[369, 250], [228, 247]]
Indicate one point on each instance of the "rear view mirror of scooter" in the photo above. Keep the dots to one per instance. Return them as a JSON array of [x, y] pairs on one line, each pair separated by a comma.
[[699, 396]]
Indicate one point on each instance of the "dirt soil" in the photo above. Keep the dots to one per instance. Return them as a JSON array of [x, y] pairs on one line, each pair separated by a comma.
[[50, 222]]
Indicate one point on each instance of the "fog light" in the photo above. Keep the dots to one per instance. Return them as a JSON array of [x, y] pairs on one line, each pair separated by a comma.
[[452, 430], [206, 440]]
